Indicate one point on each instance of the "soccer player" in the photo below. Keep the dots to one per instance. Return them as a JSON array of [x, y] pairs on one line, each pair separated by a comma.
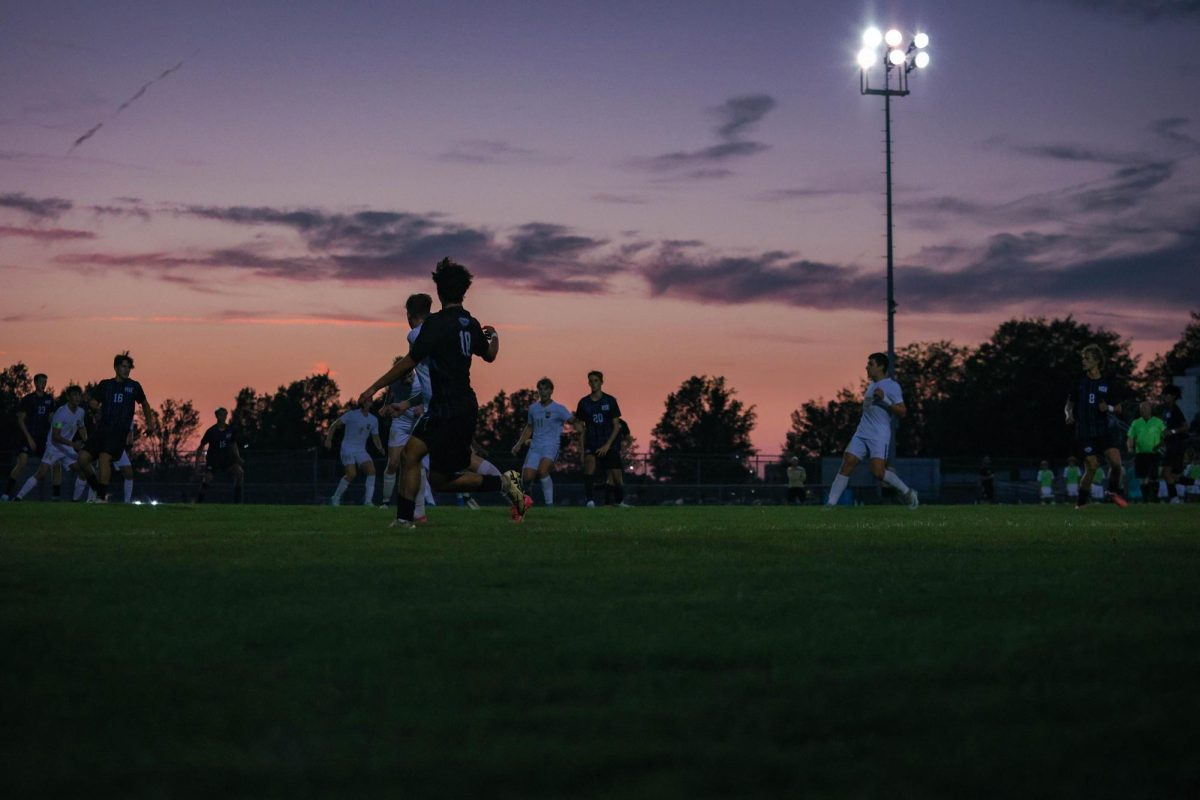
[[1144, 438], [1071, 475], [1045, 479], [125, 465], [796, 476], [598, 417], [360, 425], [408, 409], [449, 338], [33, 423], [220, 447], [873, 438], [114, 398], [62, 445], [543, 432], [1091, 409], [1175, 441]]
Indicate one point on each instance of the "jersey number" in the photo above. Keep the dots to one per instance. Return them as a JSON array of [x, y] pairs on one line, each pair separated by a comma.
[[465, 338], [118, 398], [598, 419], [1092, 399]]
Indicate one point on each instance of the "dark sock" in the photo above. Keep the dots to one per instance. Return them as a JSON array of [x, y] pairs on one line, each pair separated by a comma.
[[56, 491], [237, 493], [93, 483], [619, 492], [589, 487], [608, 494], [406, 509], [203, 489], [101, 491], [1114, 479], [489, 483], [12, 485], [1082, 499]]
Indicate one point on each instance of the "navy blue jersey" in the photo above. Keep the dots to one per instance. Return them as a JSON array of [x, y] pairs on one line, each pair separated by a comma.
[[1090, 422], [117, 398], [38, 408], [448, 339], [1173, 419], [598, 416], [222, 444]]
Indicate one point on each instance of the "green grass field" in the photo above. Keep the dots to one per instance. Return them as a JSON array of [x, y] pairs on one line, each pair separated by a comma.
[[294, 652]]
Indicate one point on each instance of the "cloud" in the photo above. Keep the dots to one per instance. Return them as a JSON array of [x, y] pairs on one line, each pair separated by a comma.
[[620, 199], [1075, 152], [46, 234], [1147, 10], [491, 151], [37, 207], [1168, 129], [735, 118], [785, 195]]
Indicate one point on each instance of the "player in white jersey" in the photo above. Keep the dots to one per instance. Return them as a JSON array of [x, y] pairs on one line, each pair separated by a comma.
[[63, 444], [360, 425], [408, 409], [872, 440], [543, 432]]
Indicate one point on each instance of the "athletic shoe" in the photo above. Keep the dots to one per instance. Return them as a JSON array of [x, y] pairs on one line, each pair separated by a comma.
[[623, 504], [510, 487], [517, 516], [421, 520], [472, 504], [333, 501], [591, 503], [402, 524], [1119, 501], [913, 502]]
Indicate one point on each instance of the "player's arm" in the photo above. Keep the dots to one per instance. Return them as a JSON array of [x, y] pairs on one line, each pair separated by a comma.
[[332, 430], [493, 344], [526, 432], [612, 437], [379, 448], [21, 415], [896, 409], [147, 412], [398, 371]]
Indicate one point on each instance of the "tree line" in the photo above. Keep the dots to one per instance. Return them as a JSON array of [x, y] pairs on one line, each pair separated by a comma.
[[1003, 397]]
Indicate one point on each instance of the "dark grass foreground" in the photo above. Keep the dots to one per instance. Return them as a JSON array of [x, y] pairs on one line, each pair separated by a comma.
[[294, 652]]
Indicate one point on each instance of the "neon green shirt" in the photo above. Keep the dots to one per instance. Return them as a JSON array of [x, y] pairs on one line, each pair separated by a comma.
[[1072, 475], [1192, 471], [1045, 477], [1147, 434]]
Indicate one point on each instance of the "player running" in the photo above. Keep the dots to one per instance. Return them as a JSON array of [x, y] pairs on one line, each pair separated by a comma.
[[1175, 438], [407, 400], [543, 432], [114, 399], [360, 425], [1091, 409], [61, 449], [598, 417], [220, 447], [33, 423], [449, 338], [873, 438]]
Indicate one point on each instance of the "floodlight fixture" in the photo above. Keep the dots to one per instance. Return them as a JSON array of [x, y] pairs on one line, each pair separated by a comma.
[[893, 38], [896, 57], [867, 58], [922, 60], [921, 40], [872, 37]]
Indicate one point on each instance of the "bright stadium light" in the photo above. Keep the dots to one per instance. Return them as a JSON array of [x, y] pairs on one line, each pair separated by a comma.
[[896, 67]]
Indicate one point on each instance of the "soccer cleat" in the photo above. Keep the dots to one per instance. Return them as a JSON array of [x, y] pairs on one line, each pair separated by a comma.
[[510, 487], [623, 504], [591, 503], [333, 501], [403, 525], [421, 520], [518, 515], [471, 504], [1118, 501], [913, 502]]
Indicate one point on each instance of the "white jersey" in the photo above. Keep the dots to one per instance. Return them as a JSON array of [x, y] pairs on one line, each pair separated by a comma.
[[67, 423], [876, 423], [421, 381], [359, 428], [547, 422]]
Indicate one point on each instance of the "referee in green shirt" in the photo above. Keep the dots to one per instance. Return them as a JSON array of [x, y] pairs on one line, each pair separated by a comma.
[[1145, 439]]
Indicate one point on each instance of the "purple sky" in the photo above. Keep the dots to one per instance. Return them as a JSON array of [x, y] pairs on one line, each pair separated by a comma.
[[655, 190]]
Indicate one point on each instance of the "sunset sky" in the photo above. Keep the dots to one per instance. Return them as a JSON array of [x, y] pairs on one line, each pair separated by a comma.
[[655, 189]]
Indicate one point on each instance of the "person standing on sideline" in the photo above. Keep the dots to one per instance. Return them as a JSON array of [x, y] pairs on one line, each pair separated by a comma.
[[797, 494], [1144, 439], [1175, 438], [1045, 479]]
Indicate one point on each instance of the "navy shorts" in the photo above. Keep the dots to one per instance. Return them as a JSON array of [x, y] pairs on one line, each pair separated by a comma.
[[107, 440], [448, 440]]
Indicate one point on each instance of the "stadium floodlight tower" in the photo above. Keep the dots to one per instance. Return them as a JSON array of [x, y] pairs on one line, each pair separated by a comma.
[[898, 61]]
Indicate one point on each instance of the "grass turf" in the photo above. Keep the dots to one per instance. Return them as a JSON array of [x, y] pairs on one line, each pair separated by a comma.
[[291, 652]]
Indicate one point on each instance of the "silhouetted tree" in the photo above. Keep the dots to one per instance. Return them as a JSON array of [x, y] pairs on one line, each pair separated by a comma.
[[501, 419], [178, 422], [823, 428], [703, 425], [1185, 354], [297, 415], [15, 382], [930, 374]]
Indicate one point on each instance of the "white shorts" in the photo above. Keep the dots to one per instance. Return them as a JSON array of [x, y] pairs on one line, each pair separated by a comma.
[[354, 457], [58, 455], [863, 449], [1072, 490], [123, 461], [535, 455], [1047, 491], [401, 429]]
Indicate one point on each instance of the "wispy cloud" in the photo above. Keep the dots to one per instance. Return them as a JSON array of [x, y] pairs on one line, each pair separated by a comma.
[[620, 199], [492, 151], [38, 207], [45, 234], [736, 117]]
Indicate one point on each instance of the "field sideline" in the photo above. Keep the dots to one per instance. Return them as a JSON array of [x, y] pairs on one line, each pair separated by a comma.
[[308, 651]]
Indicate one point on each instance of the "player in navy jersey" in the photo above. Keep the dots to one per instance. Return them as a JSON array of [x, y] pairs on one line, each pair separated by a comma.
[[114, 399], [62, 444], [1091, 408], [33, 425], [598, 416], [221, 453], [1174, 442], [449, 339]]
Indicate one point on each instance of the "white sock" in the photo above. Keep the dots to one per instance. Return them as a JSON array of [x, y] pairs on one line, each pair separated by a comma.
[[128, 489], [893, 480], [369, 495], [835, 490], [27, 488], [487, 468], [389, 487], [426, 491], [548, 490], [342, 486], [80, 487]]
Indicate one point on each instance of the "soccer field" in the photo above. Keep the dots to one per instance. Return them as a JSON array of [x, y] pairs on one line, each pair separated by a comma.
[[291, 652]]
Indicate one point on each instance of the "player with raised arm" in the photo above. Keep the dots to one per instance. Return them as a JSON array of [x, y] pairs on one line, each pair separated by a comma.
[[220, 447], [543, 432], [62, 446], [449, 338], [1091, 409], [33, 424], [114, 399], [360, 425], [872, 441], [598, 418]]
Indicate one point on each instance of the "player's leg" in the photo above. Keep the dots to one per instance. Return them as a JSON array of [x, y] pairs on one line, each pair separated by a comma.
[[544, 468], [104, 475], [392, 471], [239, 480], [856, 451], [1115, 474], [33, 479], [17, 471], [589, 479], [127, 474], [368, 469], [1090, 465], [351, 471], [206, 478], [881, 452]]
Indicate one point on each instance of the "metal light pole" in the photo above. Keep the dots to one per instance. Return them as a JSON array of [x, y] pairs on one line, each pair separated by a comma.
[[902, 62]]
